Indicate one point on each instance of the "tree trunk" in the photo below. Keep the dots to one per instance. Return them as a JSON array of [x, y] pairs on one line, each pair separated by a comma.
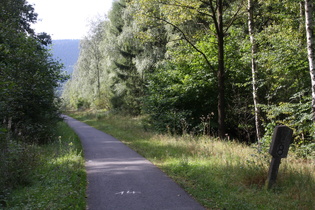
[[254, 69], [221, 72], [98, 82], [309, 24]]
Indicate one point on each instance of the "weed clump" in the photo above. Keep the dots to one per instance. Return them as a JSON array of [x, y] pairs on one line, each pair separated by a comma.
[[17, 162]]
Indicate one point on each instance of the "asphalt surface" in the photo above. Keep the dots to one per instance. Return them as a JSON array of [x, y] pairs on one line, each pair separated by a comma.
[[119, 178]]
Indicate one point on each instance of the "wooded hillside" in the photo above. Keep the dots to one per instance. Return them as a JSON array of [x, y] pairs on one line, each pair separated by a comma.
[[232, 69], [67, 51]]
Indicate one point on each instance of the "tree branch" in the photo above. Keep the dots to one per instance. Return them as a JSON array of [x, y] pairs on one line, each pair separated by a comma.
[[214, 17], [233, 18], [177, 4], [188, 41]]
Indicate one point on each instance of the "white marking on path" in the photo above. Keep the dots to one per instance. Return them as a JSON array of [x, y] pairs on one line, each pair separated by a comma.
[[127, 192]]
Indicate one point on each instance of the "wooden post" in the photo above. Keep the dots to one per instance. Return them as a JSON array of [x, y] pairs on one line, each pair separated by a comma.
[[273, 172], [281, 140]]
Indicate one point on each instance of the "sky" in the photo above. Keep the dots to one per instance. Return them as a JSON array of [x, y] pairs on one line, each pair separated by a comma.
[[68, 19]]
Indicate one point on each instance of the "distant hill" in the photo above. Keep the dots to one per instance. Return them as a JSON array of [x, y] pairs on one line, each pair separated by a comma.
[[66, 50]]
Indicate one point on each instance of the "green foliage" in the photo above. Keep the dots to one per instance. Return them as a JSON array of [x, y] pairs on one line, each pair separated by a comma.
[[17, 15], [31, 107], [174, 96], [17, 162], [296, 116], [28, 76], [284, 61], [82, 104], [128, 85]]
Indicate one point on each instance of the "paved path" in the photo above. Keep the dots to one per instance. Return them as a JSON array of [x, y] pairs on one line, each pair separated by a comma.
[[119, 178]]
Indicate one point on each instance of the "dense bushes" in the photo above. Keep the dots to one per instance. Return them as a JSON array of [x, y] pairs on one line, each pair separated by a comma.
[[17, 162]]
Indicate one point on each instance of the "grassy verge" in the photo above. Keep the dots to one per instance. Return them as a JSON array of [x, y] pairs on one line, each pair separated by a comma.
[[218, 174], [58, 181]]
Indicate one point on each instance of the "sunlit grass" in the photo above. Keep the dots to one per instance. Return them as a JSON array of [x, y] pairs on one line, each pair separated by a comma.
[[59, 181], [219, 174]]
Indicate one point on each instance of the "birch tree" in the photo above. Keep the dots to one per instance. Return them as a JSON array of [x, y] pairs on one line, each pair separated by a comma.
[[251, 31], [309, 24], [93, 41]]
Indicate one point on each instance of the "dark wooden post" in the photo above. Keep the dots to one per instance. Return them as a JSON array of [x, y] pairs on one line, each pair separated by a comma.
[[281, 140]]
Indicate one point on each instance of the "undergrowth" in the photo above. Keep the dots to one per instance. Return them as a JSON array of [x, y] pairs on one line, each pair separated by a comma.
[[49, 176], [219, 174]]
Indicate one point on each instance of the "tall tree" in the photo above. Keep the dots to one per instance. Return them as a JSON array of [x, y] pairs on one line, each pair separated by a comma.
[[309, 24], [94, 50], [251, 31], [128, 88], [211, 14], [217, 16]]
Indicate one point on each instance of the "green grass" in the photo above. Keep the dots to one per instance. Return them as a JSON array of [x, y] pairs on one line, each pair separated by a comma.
[[59, 179], [219, 174]]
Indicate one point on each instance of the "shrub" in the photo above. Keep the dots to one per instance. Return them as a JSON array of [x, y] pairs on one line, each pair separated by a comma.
[[17, 162]]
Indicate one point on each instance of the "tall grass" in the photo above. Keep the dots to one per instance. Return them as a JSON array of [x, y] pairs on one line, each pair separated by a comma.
[[56, 181], [219, 174]]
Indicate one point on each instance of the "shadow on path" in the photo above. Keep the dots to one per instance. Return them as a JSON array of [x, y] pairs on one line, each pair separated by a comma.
[[119, 178]]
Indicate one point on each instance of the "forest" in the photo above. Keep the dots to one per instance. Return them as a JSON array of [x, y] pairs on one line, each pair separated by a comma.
[[232, 69]]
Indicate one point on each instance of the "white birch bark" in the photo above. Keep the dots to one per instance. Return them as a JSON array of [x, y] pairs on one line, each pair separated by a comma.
[[309, 24], [254, 68]]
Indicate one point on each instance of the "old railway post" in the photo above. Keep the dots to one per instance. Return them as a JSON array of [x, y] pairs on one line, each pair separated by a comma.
[[281, 140]]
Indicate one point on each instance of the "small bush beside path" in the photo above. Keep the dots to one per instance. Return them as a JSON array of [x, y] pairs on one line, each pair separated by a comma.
[[56, 178]]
